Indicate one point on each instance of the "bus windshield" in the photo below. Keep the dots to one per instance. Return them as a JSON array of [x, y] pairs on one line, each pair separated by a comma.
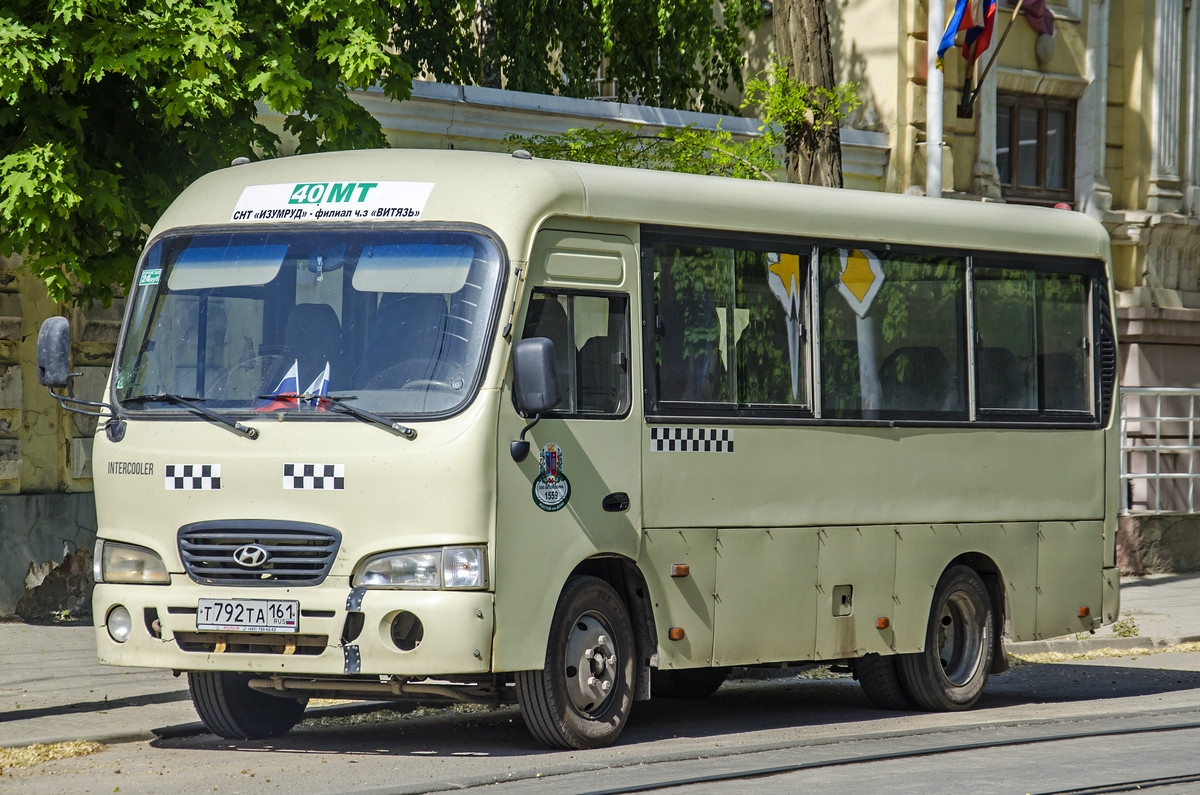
[[395, 321]]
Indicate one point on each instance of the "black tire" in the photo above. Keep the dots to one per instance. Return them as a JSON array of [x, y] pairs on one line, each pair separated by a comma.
[[230, 708], [880, 681], [582, 698], [688, 683], [951, 672]]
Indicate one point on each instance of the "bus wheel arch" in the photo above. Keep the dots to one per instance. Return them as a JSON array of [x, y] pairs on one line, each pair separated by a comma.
[[582, 696], [951, 670], [625, 577], [993, 580]]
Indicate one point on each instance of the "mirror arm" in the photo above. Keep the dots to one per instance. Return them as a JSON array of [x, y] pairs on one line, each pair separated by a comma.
[[519, 450], [70, 402]]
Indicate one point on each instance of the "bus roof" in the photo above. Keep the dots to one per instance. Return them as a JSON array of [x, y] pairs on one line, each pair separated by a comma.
[[512, 195]]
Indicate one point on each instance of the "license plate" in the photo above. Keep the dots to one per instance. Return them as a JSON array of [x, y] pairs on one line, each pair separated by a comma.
[[248, 615]]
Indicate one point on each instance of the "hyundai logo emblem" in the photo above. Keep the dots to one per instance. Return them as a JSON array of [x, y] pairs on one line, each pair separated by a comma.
[[251, 556]]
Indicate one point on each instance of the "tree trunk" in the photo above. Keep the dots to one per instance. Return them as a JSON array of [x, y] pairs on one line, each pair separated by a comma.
[[802, 40]]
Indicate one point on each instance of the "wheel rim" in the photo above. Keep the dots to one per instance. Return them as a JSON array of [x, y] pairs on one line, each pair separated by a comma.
[[961, 638], [592, 664]]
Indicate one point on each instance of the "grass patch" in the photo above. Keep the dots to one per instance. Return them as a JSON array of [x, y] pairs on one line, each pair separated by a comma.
[[31, 755]]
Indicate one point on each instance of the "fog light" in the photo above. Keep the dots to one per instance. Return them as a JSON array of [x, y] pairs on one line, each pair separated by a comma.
[[119, 624]]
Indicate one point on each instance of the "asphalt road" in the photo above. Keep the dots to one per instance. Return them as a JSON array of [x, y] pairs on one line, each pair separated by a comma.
[[1056, 723]]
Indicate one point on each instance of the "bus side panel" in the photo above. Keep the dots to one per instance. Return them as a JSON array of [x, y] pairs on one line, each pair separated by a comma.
[[765, 602], [683, 602], [1070, 577], [924, 551], [814, 476], [856, 572]]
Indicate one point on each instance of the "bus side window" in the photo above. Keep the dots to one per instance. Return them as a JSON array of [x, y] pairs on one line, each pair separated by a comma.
[[893, 335], [590, 333], [1033, 330]]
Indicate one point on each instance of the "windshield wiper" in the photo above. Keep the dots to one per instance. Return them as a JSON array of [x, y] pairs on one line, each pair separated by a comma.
[[335, 401], [193, 404]]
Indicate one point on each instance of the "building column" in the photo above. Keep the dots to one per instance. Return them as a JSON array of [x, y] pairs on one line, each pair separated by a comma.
[[1191, 169], [1165, 185], [1092, 191], [985, 179]]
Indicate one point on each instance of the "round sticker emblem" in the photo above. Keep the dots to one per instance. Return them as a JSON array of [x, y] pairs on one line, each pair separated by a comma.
[[551, 490]]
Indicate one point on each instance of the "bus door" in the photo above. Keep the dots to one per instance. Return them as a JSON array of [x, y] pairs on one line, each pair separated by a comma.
[[578, 493]]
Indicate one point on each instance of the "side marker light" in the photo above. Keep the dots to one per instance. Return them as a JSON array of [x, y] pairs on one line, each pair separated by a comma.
[[1084, 612], [675, 633], [680, 570], [883, 623]]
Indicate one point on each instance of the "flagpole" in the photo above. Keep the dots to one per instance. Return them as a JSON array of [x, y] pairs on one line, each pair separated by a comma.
[[996, 51], [934, 92]]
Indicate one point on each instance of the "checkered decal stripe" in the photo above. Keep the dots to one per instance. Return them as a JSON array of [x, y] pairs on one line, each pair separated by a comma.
[[691, 440], [193, 477], [318, 477]]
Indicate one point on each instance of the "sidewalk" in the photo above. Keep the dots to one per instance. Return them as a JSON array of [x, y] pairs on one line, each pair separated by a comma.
[[53, 690]]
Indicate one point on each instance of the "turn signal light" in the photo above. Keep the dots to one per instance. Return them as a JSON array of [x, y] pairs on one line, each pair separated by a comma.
[[882, 623], [675, 633], [680, 569], [1084, 612]]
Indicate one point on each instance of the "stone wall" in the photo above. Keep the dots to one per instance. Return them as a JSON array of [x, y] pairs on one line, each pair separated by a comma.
[[46, 505], [36, 528]]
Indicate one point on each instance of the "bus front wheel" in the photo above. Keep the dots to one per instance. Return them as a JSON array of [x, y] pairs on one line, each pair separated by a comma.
[[952, 670], [230, 708], [582, 697]]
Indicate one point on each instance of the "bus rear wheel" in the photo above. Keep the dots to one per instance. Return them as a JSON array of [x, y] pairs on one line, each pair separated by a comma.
[[582, 697], [230, 708], [952, 670], [880, 681]]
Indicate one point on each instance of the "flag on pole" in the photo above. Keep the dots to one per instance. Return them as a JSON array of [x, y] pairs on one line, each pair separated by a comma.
[[318, 389], [977, 18], [290, 385]]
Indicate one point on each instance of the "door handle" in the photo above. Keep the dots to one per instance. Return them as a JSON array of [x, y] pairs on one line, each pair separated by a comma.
[[616, 502]]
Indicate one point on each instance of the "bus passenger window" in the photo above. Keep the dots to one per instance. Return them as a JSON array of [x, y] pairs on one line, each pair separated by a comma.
[[1006, 327], [591, 346], [729, 326], [1033, 341], [893, 335], [1063, 321], [690, 288]]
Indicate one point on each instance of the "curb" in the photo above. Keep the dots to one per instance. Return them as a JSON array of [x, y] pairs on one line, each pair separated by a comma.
[[1071, 646]]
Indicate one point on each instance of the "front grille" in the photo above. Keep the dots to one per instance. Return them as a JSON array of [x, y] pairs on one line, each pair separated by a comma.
[[296, 553], [246, 643]]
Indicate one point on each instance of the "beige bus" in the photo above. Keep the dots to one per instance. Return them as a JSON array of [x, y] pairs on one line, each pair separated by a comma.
[[488, 428]]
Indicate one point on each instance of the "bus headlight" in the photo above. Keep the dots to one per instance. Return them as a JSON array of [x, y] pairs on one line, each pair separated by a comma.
[[452, 568], [125, 563]]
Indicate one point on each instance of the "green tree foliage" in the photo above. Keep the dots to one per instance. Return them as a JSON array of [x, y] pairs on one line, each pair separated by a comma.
[[671, 53], [108, 109], [688, 150], [802, 113], [794, 116]]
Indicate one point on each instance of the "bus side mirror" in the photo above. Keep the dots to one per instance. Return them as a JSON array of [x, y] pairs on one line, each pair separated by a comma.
[[535, 386], [535, 376], [54, 353]]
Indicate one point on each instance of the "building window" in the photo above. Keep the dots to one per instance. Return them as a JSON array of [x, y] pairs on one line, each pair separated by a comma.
[[1035, 148]]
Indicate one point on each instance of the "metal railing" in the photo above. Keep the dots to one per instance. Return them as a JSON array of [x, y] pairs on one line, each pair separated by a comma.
[[1159, 449]]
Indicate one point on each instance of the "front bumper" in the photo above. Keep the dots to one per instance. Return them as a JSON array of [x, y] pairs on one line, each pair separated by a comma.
[[456, 639]]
